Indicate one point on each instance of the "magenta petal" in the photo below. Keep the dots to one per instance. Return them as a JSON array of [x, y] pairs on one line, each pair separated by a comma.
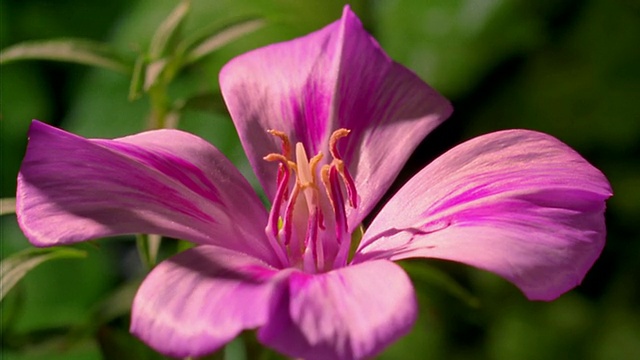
[[388, 109], [164, 182], [198, 300], [349, 313], [337, 77], [286, 87], [518, 203]]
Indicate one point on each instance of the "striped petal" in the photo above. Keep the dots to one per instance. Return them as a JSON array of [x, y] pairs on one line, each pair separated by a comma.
[[197, 301], [518, 203], [337, 77], [349, 313], [163, 182]]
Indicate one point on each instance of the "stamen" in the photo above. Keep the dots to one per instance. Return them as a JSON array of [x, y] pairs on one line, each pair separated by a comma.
[[314, 252], [274, 214], [282, 193], [342, 233], [333, 142], [307, 176], [341, 217], [324, 176], [300, 233], [288, 215], [352, 194], [286, 145], [314, 165], [279, 157]]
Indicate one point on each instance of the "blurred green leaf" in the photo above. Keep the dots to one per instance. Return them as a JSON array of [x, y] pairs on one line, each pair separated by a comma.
[[453, 43], [541, 330], [356, 237], [54, 347], [7, 206], [13, 268], [431, 275], [137, 78], [153, 72], [116, 304], [162, 63], [184, 245], [223, 37], [209, 102], [167, 31], [583, 89], [79, 51], [235, 350], [148, 247], [425, 341], [11, 308], [118, 344]]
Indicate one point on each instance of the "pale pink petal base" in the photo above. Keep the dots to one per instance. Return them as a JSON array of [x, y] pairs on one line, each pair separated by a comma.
[[348, 313], [517, 203], [198, 300]]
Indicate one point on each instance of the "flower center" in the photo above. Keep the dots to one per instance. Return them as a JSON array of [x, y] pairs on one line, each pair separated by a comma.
[[308, 224]]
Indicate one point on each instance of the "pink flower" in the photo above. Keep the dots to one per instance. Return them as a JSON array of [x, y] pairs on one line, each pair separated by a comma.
[[327, 121]]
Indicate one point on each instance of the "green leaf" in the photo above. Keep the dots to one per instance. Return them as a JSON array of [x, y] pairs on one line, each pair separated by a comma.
[[356, 237], [79, 51], [137, 78], [167, 31], [207, 102], [116, 304], [11, 309], [223, 37], [431, 275], [13, 268], [184, 245], [153, 72], [118, 344], [7, 206], [162, 64], [452, 44], [148, 247]]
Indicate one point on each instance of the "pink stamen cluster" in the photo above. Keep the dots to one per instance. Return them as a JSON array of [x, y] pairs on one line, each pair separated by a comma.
[[298, 228]]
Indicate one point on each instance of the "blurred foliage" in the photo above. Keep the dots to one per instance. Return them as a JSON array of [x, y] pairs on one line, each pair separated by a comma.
[[565, 67]]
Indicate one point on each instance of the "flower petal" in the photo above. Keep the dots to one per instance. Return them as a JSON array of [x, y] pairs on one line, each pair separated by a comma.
[[198, 300], [349, 313], [337, 77], [164, 182], [518, 203]]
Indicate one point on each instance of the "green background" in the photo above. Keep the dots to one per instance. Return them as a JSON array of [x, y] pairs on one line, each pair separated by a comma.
[[569, 68]]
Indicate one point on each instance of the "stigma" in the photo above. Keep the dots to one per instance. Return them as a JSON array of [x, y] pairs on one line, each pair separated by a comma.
[[307, 223]]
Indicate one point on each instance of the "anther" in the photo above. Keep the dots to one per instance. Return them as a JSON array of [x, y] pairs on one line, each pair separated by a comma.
[[333, 142], [338, 163], [286, 145]]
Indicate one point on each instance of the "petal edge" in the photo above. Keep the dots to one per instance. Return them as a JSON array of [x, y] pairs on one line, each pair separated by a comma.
[[517, 203]]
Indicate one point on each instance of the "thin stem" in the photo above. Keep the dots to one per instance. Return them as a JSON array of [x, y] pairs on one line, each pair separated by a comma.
[[159, 106]]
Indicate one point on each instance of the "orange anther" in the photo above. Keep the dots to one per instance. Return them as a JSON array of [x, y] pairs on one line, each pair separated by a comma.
[[333, 141], [286, 144]]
